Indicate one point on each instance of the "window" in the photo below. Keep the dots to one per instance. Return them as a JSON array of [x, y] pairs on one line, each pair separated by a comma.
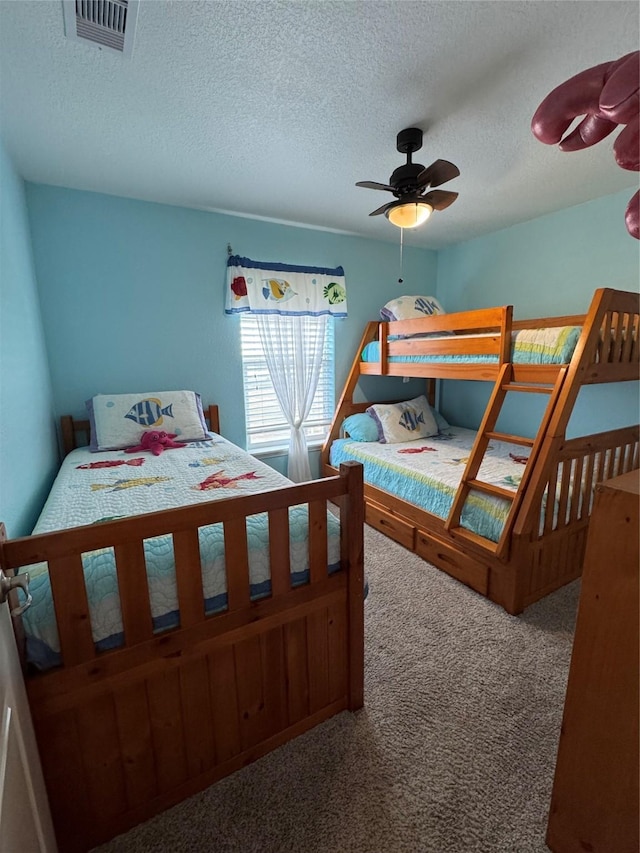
[[266, 426]]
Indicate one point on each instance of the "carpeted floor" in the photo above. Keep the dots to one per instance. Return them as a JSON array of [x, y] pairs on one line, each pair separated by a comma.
[[453, 752]]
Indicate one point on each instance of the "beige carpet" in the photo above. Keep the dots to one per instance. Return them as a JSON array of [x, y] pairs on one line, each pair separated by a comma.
[[453, 753]]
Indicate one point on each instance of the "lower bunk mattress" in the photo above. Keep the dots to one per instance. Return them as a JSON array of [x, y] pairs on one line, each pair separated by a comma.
[[427, 472], [95, 487]]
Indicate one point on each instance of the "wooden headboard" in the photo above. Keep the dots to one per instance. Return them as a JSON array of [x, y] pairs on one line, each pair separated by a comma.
[[75, 433]]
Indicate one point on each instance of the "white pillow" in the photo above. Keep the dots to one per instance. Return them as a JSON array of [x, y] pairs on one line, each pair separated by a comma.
[[118, 420], [403, 421], [410, 307]]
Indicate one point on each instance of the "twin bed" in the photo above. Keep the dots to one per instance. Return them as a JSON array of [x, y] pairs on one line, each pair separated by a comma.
[[505, 514], [167, 647]]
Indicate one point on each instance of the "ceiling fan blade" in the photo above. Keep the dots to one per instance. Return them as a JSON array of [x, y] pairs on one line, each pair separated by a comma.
[[373, 185], [437, 173], [439, 199], [381, 209]]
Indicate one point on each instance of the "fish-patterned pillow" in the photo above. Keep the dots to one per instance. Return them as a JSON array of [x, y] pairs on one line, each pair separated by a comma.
[[410, 307], [118, 420], [403, 421]]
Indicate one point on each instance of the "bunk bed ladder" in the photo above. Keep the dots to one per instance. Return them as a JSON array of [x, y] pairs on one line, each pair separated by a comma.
[[486, 433]]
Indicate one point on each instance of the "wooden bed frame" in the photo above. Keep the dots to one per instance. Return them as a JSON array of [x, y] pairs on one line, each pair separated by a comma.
[[127, 733], [538, 552]]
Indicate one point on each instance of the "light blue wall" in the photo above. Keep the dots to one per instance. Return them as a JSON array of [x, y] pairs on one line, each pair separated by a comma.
[[28, 445], [132, 294], [548, 266]]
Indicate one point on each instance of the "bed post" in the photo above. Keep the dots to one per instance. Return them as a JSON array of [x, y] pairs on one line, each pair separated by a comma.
[[68, 434], [352, 553]]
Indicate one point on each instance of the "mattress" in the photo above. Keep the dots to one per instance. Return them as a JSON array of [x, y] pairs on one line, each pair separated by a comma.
[[426, 473], [554, 345], [94, 487]]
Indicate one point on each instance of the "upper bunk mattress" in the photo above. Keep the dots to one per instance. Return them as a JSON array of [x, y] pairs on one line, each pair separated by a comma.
[[426, 473], [94, 487], [553, 345]]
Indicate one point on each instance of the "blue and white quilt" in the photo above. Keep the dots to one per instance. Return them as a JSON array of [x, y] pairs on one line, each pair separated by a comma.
[[426, 473], [94, 487]]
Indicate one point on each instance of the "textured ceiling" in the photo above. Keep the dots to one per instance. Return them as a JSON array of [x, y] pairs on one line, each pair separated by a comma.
[[275, 109]]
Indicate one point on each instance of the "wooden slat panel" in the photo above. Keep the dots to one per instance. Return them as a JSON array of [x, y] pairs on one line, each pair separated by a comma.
[[575, 490], [102, 757], [72, 610], [618, 340], [251, 702], [196, 713], [481, 319], [553, 322], [134, 730], [167, 729], [337, 643], [317, 541], [453, 346], [186, 549], [551, 501], [606, 338], [630, 351], [318, 662], [383, 348], [628, 458], [295, 640], [274, 684], [279, 555], [224, 703], [63, 770], [587, 487], [134, 592], [469, 372], [236, 558], [600, 465], [565, 482]]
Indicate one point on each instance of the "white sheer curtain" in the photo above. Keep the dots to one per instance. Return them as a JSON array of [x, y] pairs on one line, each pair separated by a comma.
[[293, 347]]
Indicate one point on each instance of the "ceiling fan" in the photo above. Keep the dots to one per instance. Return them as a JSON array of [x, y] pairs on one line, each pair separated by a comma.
[[413, 185]]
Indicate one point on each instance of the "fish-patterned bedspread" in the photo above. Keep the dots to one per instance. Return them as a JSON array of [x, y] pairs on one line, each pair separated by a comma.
[[93, 487], [426, 473], [552, 345]]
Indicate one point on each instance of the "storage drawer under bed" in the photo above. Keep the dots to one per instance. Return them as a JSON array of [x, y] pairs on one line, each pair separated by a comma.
[[392, 526], [460, 566]]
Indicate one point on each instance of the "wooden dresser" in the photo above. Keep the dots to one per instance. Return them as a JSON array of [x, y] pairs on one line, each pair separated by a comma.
[[594, 805]]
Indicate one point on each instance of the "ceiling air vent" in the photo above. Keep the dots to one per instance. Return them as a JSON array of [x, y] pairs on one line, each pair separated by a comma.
[[107, 24]]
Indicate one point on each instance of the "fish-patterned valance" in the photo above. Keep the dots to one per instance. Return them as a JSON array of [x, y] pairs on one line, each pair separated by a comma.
[[274, 288]]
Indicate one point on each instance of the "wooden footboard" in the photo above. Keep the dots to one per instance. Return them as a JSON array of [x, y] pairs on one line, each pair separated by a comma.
[[550, 534], [126, 733]]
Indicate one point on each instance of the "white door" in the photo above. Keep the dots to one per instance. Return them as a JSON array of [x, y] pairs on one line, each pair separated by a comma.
[[25, 820]]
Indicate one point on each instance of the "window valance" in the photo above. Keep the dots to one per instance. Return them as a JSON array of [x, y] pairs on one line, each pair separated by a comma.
[[275, 288]]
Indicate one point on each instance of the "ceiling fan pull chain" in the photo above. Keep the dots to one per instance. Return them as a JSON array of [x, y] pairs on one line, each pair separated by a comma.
[[401, 242]]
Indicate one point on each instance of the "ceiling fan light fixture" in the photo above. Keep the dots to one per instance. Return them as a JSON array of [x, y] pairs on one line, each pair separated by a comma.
[[409, 214]]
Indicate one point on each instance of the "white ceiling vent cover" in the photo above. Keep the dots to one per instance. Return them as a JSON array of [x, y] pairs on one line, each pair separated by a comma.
[[107, 24]]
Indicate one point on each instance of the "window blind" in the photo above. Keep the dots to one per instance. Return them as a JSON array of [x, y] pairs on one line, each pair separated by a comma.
[[265, 424]]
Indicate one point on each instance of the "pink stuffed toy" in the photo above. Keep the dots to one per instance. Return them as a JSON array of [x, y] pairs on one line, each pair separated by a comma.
[[156, 441]]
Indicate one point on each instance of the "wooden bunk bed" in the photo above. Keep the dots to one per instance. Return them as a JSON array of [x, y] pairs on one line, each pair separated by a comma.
[[542, 543], [126, 733]]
